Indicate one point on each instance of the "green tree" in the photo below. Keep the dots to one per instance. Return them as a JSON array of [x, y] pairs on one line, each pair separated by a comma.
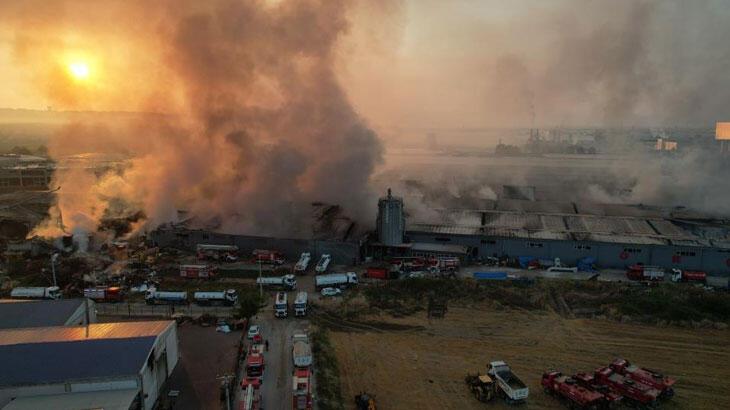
[[249, 303]]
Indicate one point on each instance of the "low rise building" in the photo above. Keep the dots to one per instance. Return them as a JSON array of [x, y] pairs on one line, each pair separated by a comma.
[[103, 365]]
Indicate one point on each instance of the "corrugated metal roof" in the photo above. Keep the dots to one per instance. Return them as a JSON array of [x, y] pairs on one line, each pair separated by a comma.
[[79, 333], [667, 228], [38, 313], [437, 247], [445, 229], [106, 400], [638, 240], [58, 362]]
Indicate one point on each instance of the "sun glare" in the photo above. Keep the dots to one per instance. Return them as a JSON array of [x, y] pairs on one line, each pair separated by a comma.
[[79, 70]]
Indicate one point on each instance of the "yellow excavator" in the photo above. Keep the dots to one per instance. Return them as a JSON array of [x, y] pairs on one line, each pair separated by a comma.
[[364, 401], [481, 385]]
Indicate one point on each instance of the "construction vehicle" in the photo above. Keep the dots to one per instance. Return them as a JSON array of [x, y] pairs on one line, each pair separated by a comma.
[[634, 392], [196, 271], [286, 282], [566, 388], [509, 386], [154, 297], [302, 389], [268, 257], [323, 264], [301, 351], [681, 275], [645, 273], [300, 304], [104, 294], [587, 380], [301, 267], [336, 280], [648, 377], [482, 386], [365, 401], [225, 297], [281, 305], [51, 292]]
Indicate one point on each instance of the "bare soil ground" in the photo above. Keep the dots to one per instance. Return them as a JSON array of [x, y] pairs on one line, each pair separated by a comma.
[[204, 356], [421, 364]]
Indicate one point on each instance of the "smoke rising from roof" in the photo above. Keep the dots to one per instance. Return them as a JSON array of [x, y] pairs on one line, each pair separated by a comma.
[[260, 127]]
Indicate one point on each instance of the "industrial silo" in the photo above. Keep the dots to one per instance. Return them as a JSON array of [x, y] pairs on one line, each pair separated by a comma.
[[391, 222]]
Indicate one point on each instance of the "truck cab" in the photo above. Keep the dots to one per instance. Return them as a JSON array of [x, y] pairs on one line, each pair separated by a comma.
[[281, 305], [300, 304]]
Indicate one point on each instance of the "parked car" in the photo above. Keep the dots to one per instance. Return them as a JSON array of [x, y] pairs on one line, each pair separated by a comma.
[[253, 331], [331, 292]]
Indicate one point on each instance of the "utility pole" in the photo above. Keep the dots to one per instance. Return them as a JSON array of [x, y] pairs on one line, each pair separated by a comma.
[[226, 379], [261, 284], [54, 256]]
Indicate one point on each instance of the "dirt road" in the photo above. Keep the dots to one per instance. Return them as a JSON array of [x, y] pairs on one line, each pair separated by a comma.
[[424, 367]]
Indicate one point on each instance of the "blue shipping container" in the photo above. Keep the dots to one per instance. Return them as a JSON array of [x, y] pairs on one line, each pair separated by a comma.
[[490, 275]]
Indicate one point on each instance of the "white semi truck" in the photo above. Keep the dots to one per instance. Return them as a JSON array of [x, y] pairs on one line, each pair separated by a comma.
[[323, 264], [281, 305], [225, 297], [287, 282], [336, 280], [51, 292], [300, 304], [301, 267], [155, 297]]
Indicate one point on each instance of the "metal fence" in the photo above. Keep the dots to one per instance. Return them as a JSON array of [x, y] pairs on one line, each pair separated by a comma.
[[166, 311]]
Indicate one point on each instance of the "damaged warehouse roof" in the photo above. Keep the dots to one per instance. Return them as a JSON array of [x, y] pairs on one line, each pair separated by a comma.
[[601, 223]]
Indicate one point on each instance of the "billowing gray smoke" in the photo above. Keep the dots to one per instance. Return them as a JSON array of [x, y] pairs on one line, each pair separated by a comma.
[[257, 125]]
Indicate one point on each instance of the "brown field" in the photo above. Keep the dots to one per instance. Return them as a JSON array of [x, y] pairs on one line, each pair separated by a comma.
[[423, 368]]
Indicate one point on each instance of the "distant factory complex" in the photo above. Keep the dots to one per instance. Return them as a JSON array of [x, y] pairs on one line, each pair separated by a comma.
[[614, 235]]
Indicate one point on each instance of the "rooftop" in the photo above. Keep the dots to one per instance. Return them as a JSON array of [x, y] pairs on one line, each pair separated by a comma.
[[42, 313], [107, 400], [616, 223], [108, 351]]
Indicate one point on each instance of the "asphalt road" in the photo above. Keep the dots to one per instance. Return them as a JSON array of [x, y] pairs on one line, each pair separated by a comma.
[[276, 388]]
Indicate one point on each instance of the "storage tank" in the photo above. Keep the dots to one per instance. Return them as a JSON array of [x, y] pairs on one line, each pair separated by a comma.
[[390, 223]]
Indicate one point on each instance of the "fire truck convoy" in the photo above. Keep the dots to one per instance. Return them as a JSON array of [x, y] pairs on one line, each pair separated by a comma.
[[617, 382], [51, 292]]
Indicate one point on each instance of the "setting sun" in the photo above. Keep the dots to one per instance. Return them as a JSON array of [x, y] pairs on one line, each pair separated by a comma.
[[79, 70]]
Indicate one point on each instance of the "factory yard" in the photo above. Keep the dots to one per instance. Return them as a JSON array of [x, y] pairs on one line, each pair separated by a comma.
[[416, 363]]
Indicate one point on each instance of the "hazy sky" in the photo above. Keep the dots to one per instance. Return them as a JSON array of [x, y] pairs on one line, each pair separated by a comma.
[[421, 63]]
